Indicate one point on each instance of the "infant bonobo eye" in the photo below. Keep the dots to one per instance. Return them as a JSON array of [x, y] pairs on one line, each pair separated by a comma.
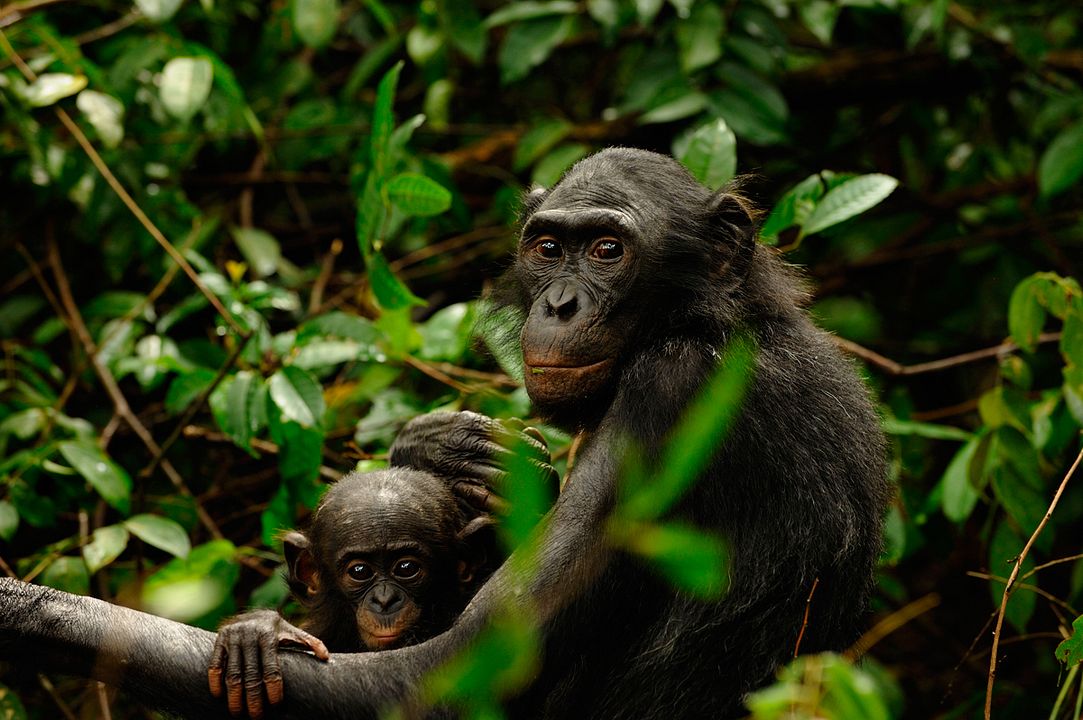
[[406, 569], [607, 248], [359, 572], [548, 248]]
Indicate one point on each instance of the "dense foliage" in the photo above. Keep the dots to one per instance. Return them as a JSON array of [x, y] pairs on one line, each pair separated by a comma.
[[245, 241]]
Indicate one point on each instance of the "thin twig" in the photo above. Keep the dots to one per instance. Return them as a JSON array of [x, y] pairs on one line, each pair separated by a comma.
[[120, 404], [804, 622], [327, 267], [1009, 587], [123, 194], [1020, 585], [51, 689], [435, 374], [891, 367], [891, 623]]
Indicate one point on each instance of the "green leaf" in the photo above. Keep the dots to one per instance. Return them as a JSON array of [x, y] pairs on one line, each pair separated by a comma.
[[158, 11], [925, 430], [51, 87], [300, 455], [238, 406], [106, 477], [185, 86], [678, 108], [315, 21], [691, 559], [11, 708], [192, 588], [1004, 548], [260, 250], [106, 544], [68, 574], [1026, 316], [959, 495], [446, 335], [370, 214], [383, 122], [793, 208], [186, 388], [105, 114], [463, 26], [699, 37], [549, 170], [517, 11], [417, 194], [298, 396], [1070, 650], [539, 140], [390, 292], [327, 353], [9, 520], [1024, 502], [161, 532], [711, 155], [1061, 165], [529, 44], [851, 198]]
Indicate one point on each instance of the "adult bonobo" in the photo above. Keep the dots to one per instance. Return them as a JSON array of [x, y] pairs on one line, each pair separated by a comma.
[[632, 278]]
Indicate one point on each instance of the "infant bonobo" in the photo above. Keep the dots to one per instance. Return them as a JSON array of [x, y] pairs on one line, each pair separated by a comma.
[[390, 559]]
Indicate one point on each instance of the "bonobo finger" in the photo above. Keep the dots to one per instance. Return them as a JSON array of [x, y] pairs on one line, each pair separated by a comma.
[[214, 668], [234, 677], [481, 497], [272, 673], [253, 681], [291, 635]]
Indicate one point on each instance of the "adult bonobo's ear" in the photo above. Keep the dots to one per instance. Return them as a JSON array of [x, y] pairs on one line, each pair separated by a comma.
[[479, 539], [301, 573], [734, 217], [532, 200]]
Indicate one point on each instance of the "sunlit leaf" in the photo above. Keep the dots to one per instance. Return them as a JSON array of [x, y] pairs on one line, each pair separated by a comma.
[[68, 574], [383, 122], [298, 395], [105, 114], [528, 10], [793, 208], [711, 155], [699, 36], [852, 198], [158, 10], [238, 407], [9, 520], [106, 477], [51, 87], [161, 532], [1061, 164], [959, 495], [106, 544], [260, 249], [185, 86]]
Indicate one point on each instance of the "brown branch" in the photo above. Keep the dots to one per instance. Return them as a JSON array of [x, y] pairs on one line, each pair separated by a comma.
[[804, 622], [488, 377], [75, 323], [123, 194], [435, 374], [327, 267], [891, 623], [16, 11], [892, 367], [195, 431], [1008, 588], [1053, 600]]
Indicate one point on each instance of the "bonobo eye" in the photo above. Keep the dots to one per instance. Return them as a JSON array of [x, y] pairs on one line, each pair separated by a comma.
[[548, 248], [360, 572], [607, 249], [406, 569]]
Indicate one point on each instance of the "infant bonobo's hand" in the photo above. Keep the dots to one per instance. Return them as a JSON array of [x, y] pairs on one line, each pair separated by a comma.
[[472, 452], [247, 649]]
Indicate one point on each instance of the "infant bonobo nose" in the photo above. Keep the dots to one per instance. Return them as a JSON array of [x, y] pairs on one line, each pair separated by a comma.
[[385, 597]]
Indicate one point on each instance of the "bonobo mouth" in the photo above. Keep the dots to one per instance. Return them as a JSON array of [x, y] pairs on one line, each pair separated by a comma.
[[381, 641], [545, 365], [552, 382]]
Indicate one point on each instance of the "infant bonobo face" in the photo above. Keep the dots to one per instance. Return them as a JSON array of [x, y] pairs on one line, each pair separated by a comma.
[[392, 550]]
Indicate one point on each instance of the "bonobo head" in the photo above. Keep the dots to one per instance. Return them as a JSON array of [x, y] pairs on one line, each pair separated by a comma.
[[612, 257], [389, 560]]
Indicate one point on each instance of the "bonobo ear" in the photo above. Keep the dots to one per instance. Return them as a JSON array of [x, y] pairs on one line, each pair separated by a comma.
[[301, 573], [479, 539], [734, 216], [532, 200]]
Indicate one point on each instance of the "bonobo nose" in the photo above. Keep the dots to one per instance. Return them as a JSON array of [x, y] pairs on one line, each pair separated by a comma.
[[385, 598], [562, 299]]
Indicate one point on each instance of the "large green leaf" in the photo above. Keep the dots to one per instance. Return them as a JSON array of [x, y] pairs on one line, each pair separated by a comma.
[[260, 249], [238, 407], [186, 85], [528, 44], [48, 88], [298, 396], [106, 544], [711, 154], [383, 122], [105, 114], [1061, 165], [691, 559], [417, 194], [851, 198], [158, 10], [161, 532], [959, 495], [699, 36], [106, 477], [390, 292]]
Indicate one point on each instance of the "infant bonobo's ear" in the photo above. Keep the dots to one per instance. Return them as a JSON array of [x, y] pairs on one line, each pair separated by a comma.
[[478, 537], [301, 573], [735, 219]]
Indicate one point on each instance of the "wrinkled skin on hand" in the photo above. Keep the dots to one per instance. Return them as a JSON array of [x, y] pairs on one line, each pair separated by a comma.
[[245, 665], [471, 452]]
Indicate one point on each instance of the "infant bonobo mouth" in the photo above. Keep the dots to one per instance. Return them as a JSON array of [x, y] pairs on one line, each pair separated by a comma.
[[382, 641]]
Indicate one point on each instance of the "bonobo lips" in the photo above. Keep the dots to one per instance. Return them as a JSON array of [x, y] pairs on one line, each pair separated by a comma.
[[553, 381], [381, 641]]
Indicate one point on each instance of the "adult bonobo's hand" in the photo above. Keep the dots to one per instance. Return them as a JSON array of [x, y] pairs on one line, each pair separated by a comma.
[[472, 452], [245, 656]]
